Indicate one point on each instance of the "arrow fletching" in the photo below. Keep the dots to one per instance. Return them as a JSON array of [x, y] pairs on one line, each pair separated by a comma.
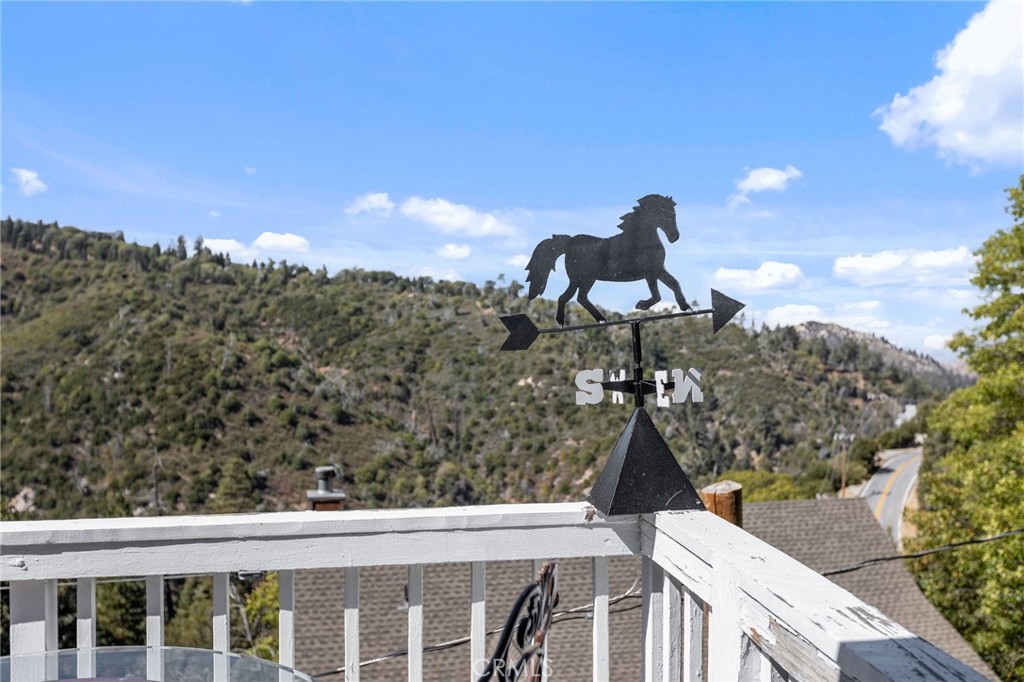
[[522, 332]]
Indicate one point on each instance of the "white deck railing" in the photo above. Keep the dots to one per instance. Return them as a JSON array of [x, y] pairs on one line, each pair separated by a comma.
[[768, 617]]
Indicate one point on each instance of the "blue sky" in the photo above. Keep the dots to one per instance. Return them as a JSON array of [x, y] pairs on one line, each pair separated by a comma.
[[832, 161]]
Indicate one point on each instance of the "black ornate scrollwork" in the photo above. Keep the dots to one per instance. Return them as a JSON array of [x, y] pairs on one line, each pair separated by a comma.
[[520, 653]]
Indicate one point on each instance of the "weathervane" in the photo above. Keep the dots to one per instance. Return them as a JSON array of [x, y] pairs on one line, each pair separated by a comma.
[[642, 475]]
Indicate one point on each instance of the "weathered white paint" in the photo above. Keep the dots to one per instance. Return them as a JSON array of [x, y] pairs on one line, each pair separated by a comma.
[[286, 618], [33, 629], [155, 627], [305, 540], [601, 662], [351, 623], [808, 625], [693, 637], [415, 590], [85, 598], [771, 617], [672, 637], [653, 578], [477, 617]]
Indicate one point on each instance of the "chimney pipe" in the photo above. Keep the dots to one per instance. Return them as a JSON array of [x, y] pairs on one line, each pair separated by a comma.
[[325, 497]]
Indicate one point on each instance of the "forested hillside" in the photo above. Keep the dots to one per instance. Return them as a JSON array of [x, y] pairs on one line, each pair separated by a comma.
[[972, 476], [146, 380]]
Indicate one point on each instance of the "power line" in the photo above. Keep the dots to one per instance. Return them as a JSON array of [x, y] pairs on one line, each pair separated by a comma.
[[924, 552], [559, 616]]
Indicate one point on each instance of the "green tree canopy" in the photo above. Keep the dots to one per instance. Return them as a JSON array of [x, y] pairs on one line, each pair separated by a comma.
[[972, 480]]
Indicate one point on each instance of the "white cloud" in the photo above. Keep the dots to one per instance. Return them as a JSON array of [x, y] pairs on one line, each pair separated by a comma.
[[769, 276], [281, 241], [936, 341], [268, 245], [454, 251], [451, 218], [904, 266], [972, 111], [791, 313], [447, 275], [28, 181], [214, 214], [520, 260], [377, 204], [249, 170], [862, 315], [961, 295], [230, 246], [761, 180]]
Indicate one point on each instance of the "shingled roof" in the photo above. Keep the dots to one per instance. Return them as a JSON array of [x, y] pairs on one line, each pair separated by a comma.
[[823, 534], [832, 533]]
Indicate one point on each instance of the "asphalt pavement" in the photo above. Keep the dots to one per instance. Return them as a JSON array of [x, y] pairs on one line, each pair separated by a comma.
[[887, 491]]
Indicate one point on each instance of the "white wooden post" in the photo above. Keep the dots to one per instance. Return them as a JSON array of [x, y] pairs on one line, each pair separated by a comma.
[[286, 621], [693, 638], [155, 627], [478, 617], [724, 634], [85, 596], [415, 588], [602, 669], [653, 578], [352, 624], [33, 629], [221, 625], [672, 637]]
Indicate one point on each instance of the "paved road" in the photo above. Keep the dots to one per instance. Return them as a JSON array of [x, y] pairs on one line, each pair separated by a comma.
[[887, 491]]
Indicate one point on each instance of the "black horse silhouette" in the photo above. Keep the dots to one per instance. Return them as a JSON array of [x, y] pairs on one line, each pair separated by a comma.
[[635, 254]]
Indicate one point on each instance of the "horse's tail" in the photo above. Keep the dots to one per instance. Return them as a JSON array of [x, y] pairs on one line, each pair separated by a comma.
[[543, 262]]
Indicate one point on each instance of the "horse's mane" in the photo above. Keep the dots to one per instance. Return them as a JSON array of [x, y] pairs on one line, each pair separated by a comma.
[[643, 205]]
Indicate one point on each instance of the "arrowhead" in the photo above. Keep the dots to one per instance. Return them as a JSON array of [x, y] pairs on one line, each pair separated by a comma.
[[522, 332], [723, 309]]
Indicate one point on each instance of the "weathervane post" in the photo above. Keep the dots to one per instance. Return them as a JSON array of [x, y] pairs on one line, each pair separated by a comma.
[[641, 475]]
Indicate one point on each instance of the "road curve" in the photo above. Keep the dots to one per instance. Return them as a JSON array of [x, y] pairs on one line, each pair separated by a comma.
[[887, 491]]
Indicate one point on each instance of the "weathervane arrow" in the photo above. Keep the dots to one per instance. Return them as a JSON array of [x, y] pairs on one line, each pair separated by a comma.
[[522, 332]]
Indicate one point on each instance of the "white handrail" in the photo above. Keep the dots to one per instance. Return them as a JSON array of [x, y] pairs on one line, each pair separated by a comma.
[[769, 614]]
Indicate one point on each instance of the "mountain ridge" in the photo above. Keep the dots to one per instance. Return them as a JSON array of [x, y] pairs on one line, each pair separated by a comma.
[[145, 380]]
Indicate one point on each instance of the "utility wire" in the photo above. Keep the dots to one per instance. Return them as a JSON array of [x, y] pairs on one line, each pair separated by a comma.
[[924, 552], [557, 617]]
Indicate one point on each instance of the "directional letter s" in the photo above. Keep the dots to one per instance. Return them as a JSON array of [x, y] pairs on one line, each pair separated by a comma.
[[590, 392]]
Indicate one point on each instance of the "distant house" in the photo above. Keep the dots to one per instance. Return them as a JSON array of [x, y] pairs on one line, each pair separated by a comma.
[[823, 534]]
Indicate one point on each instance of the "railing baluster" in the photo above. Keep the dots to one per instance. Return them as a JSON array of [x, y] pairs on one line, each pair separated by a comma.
[[415, 587], [154, 627], [352, 624], [672, 636], [756, 665], [653, 612], [693, 637], [602, 669], [85, 596], [221, 625], [33, 628], [725, 638], [221, 613], [286, 619], [478, 617]]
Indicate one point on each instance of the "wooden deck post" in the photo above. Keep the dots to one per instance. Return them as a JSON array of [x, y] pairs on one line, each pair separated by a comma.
[[725, 499]]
